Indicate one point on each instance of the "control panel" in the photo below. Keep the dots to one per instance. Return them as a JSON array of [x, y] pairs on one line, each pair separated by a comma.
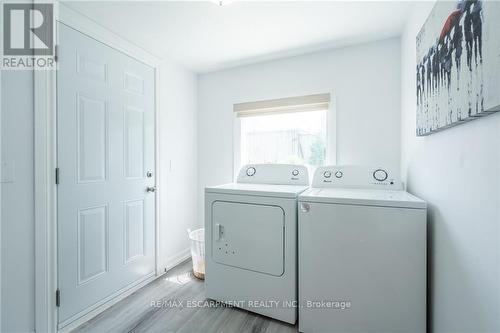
[[356, 176], [278, 174]]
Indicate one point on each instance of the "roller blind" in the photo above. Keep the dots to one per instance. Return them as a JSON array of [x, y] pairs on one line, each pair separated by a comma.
[[283, 105]]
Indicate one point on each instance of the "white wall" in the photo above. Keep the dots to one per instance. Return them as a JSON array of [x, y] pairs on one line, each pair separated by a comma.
[[457, 172], [178, 160], [364, 81], [18, 260]]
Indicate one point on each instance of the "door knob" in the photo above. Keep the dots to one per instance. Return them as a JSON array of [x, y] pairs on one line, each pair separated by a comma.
[[151, 189]]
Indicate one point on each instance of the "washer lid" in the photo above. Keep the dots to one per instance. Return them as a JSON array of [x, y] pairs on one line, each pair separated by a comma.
[[281, 191], [382, 198]]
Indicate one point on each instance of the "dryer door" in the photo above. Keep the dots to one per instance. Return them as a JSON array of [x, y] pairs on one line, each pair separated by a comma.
[[249, 236]]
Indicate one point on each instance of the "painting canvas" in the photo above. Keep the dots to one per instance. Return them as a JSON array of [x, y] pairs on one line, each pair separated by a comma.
[[458, 64]]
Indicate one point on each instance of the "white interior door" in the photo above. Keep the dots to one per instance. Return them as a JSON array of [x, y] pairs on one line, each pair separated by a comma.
[[105, 143]]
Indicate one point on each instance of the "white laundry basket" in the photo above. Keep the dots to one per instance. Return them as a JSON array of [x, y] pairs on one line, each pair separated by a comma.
[[197, 238]]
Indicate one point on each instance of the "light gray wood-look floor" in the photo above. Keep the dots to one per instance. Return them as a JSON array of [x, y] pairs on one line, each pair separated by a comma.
[[137, 314]]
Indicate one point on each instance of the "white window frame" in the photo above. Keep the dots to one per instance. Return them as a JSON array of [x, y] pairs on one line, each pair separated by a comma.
[[331, 136]]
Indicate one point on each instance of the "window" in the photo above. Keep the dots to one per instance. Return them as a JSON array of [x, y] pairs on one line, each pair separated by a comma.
[[292, 130]]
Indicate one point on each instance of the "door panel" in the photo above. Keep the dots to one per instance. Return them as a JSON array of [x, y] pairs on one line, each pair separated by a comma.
[[134, 142], [93, 254], [134, 229], [133, 83], [249, 236], [91, 68], [92, 136], [105, 143]]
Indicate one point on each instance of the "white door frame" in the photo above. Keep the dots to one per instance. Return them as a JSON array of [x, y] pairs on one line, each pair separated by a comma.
[[45, 136]]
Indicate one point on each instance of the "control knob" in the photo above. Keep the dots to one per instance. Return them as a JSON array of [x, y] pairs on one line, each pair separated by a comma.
[[380, 175], [250, 171]]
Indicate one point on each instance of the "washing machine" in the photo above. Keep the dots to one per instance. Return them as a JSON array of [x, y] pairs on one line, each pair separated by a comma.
[[251, 240], [361, 253]]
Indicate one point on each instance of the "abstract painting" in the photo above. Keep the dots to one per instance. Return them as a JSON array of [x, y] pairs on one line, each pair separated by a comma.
[[458, 64]]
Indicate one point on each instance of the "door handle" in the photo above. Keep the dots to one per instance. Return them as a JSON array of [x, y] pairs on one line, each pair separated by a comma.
[[219, 231], [151, 189]]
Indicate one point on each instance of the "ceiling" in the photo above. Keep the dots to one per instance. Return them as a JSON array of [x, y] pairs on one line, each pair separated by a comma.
[[204, 36]]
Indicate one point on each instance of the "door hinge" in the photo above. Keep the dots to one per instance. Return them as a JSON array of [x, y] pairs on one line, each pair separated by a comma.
[[58, 298], [57, 176], [56, 53]]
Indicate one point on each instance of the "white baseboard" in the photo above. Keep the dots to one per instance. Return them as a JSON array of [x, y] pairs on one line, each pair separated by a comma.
[[177, 258], [170, 263], [103, 305]]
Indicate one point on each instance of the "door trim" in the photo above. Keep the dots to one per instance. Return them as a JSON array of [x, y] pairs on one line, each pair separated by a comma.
[[80, 318], [45, 157]]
